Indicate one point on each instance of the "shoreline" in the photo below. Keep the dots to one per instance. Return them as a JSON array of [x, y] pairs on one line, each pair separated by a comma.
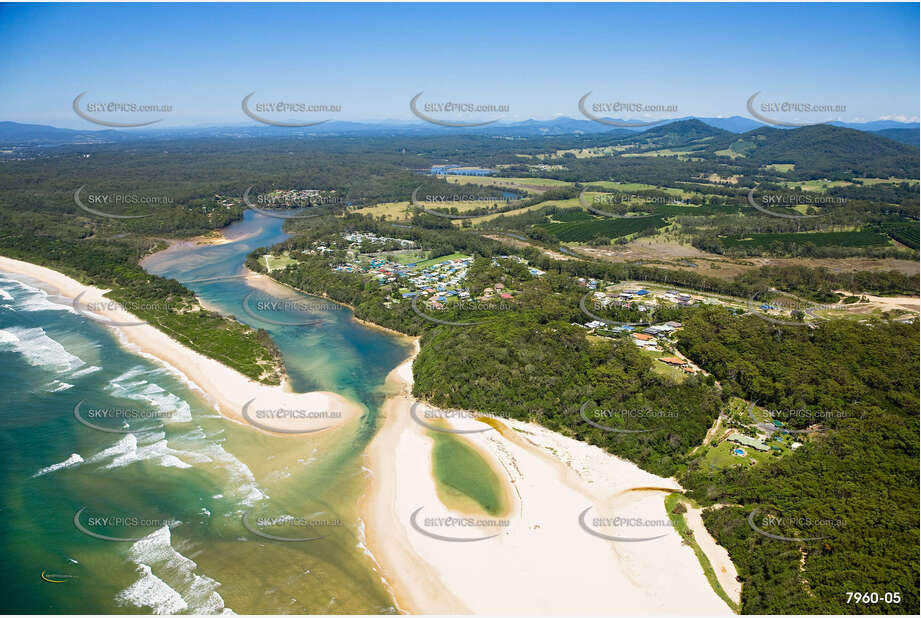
[[551, 479], [232, 394]]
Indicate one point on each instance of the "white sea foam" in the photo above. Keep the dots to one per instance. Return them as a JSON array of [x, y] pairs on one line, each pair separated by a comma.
[[153, 447], [151, 591], [168, 582], [38, 349], [133, 385], [73, 460], [85, 371], [56, 386], [27, 298], [242, 485]]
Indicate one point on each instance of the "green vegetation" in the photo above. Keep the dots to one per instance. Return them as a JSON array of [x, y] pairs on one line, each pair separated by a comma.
[[603, 227], [817, 239], [676, 505], [163, 303], [858, 474], [906, 233], [440, 259]]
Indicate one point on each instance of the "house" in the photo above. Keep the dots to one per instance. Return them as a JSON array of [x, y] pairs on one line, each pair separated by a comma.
[[499, 286], [673, 361], [505, 295], [642, 336]]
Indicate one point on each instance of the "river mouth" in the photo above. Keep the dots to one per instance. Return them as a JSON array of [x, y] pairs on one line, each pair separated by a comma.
[[179, 509], [323, 348]]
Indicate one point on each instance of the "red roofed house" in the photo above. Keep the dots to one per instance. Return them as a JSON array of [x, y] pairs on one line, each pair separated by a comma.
[[672, 360]]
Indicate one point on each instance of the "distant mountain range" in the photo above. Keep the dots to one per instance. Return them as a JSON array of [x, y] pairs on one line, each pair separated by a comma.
[[17, 134]]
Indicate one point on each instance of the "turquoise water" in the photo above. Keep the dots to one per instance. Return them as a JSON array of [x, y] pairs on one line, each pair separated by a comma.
[[179, 475]]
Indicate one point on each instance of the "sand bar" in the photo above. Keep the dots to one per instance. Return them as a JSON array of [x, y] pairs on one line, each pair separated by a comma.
[[542, 562], [269, 408]]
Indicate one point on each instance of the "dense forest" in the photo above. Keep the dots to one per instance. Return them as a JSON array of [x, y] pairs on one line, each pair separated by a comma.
[[857, 473]]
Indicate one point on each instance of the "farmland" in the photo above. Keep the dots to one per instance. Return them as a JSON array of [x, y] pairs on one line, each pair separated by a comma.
[[583, 230], [818, 239]]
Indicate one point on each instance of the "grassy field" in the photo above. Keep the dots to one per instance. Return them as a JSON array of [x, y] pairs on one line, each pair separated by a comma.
[[674, 373], [278, 262], [684, 155], [779, 167], [729, 152], [441, 259], [406, 256], [585, 153], [638, 186], [391, 211], [816, 186], [531, 185], [681, 526], [880, 181], [570, 203], [721, 456]]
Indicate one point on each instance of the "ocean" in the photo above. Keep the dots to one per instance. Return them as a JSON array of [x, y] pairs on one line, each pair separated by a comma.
[[124, 491]]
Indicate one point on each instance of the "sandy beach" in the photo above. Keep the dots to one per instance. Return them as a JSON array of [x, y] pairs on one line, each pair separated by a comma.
[[551, 557], [268, 408]]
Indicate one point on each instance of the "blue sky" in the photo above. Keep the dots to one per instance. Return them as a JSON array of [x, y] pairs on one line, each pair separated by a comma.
[[538, 59]]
